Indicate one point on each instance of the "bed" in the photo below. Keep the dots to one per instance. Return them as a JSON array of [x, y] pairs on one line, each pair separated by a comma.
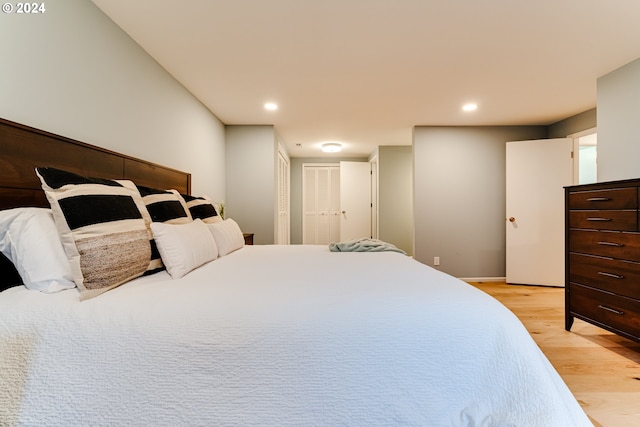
[[261, 335]]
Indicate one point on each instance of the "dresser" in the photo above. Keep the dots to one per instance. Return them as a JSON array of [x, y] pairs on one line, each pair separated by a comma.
[[603, 256]]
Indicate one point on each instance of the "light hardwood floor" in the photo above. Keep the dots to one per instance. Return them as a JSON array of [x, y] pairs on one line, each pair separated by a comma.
[[600, 368]]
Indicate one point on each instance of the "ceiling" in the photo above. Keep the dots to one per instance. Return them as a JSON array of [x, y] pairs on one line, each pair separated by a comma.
[[364, 72]]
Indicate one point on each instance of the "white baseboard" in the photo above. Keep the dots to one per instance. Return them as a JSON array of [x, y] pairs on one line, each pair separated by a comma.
[[483, 279]]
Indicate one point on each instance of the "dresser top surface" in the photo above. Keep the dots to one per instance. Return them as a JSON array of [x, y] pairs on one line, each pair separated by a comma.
[[604, 185]]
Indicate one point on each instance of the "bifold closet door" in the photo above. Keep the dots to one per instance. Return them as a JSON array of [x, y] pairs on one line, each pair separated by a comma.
[[321, 204]]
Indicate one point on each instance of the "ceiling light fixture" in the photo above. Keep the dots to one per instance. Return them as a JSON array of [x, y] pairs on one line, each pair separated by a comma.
[[270, 106], [470, 107], [331, 147]]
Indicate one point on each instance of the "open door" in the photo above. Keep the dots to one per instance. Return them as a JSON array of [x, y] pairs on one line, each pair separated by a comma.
[[536, 173], [355, 200]]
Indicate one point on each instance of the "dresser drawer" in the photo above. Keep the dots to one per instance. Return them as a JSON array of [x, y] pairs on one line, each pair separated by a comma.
[[606, 243], [617, 312], [604, 220], [619, 198], [620, 277]]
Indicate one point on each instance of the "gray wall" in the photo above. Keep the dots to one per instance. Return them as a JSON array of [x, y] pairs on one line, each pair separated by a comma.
[[619, 123], [459, 196], [296, 190], [574, 124], [251, 180], [73, 72], [395, 196]]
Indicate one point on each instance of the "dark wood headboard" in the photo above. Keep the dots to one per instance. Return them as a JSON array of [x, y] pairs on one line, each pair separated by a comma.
[[23, 148]]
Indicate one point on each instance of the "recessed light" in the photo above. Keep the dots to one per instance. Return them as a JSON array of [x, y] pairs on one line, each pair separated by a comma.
[[472, 106], [331, 147], [270, 106]]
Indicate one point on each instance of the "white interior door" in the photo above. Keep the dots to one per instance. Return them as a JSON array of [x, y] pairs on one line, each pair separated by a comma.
[[321, 204], [536, 173], [355, 200]]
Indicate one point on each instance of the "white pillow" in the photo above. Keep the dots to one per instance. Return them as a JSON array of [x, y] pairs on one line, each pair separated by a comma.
[[29, 238], [184, 247], [227, 235]]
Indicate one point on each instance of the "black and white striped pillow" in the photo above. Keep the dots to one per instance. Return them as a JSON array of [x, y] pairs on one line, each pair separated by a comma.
[[101, 227], [202, 208], [165, 206]]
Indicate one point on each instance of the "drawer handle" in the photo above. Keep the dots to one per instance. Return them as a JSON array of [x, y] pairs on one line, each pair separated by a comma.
[[617, 245], [618, 312], [598, 199], [615, 276], [598, 219]]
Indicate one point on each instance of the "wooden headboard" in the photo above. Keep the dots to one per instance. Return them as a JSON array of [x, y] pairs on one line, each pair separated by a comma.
[[23, 148]]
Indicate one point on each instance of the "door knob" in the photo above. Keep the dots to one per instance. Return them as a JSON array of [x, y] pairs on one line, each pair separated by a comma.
[[512, 219]]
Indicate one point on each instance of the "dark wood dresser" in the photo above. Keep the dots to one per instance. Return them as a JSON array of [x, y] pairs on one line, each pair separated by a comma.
[[603, 256]]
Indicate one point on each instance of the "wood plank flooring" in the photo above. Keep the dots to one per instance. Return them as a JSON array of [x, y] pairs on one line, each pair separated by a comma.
[[601, 369]]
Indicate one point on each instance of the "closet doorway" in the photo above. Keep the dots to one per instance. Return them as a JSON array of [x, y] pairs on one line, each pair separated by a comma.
[[336, 202], [320, 203]]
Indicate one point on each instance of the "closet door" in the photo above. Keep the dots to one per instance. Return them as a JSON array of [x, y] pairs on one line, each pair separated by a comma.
[[334, 204], [321, 204]]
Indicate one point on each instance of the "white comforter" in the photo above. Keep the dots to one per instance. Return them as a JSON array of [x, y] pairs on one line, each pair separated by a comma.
[[277, 336]]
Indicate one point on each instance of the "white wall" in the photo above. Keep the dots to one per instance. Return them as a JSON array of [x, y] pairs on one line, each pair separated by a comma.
[[619, 123], [73, 72]]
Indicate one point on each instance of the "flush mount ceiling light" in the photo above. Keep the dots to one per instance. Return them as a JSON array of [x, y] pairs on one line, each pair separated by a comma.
[[472, 106], [331, 147], [270, 106]]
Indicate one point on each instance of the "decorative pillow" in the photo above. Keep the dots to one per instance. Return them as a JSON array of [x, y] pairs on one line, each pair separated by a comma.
[[101, 228], [203, 208], [227, 235], [29, 239], [184, 247], [166, 206]]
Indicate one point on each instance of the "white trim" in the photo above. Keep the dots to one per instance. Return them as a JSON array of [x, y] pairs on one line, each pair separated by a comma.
[[319, 165], [483, 279], [583, 133]]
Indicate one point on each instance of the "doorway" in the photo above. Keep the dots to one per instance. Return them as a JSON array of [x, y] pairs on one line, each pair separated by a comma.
[[336, 202], [585, 147], [320, 203]]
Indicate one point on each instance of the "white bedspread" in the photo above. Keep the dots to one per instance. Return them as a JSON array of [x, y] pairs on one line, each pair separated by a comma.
[[277, 336]]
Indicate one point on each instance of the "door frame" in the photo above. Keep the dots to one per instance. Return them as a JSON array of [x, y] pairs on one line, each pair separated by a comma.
[[576, 150]]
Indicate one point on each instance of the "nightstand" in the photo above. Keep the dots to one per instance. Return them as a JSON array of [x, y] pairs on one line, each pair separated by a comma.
[[248, 238]]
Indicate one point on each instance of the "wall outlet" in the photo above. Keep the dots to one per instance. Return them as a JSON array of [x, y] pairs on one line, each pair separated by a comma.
[[436, 260]]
